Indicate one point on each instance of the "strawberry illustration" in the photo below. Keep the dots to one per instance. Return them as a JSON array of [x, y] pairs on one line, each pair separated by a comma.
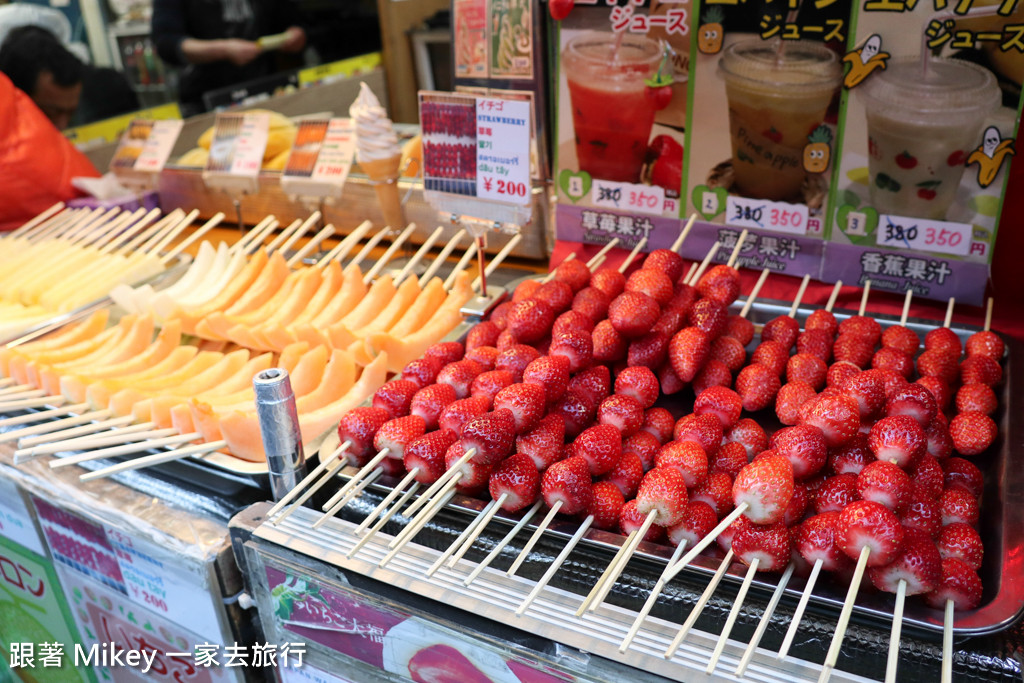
[[772, 134], [926, 193], [905, 161], [957, 158]]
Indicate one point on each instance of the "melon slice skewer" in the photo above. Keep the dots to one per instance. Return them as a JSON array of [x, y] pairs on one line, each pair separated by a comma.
[[297, 235], [312, 244], [187, 242], [346, 245], [419, 255], [388, 254], [442, 257]]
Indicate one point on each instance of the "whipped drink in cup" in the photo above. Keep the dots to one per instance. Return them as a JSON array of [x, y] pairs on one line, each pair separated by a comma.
[[777, 97], [922, 124]]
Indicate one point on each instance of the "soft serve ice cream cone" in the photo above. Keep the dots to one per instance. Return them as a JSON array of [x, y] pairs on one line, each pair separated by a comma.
[[378, 153]]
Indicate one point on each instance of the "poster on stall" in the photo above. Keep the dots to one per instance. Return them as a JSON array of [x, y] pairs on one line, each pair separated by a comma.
[[511, 39], [469, 18], [621, 90], [931, 110]]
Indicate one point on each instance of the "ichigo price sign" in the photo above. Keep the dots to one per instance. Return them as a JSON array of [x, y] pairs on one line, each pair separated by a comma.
[[503, 150]]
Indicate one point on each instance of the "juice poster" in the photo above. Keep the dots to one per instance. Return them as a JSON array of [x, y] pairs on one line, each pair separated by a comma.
[[511, 38], [931, 111], [762, 124], [621, 89], [470, 22]]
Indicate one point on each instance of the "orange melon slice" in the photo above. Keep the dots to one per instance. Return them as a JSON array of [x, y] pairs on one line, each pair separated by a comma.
[[98, 393], [266, 295], [22, 369], [227, 296], [352, 291], [342, 336], [63, 337], [180, 413], [297, 300], [277, 336], [339, 376], [426, 304], [157, 408], [134, 342], [122, 402]]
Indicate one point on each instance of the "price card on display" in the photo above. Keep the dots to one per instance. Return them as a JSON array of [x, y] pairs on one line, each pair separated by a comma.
[[761, 214], [15, 520], [921, 234], [503, 150], [144, 150], [236, 152], [647, 199], [321, 158]]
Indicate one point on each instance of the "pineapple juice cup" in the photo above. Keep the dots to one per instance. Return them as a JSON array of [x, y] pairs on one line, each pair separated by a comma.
[[922, 124], [777, 98]]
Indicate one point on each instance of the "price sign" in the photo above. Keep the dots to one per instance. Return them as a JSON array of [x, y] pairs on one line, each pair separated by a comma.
[[646, 199], [143, 150], [921, 234], [321, 158], [762, 214], [503, 150], [236, 152], [15, 520], [157, 147]]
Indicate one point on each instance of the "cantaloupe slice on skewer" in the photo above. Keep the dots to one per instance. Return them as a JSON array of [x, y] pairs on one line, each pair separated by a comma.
[[277, 336], [98, 393], [227, 296], [402, 351], [207, 286], [222, 372], [238, 428], [339, 376], [132, 344], [430, 299], [380, 294], [289, 304], [122, 400], [20, 368], [342, 336], [61, 338], [266, 292], [173, 411], [352, 291]]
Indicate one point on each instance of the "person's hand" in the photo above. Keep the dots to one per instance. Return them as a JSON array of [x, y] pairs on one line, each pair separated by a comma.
[[296, 39], [241, 52]]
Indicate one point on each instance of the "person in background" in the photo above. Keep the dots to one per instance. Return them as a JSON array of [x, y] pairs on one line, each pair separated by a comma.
[[216, 41], [39, 65]]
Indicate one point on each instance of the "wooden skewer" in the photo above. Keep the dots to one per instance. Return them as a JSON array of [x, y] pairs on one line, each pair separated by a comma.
[[419, 255], [651, 599], [555, 566], [188, 241], [39, 220], [442, 257], [306, 225], [40, 402], [550, 276], [504, 542], [174, 232], [864, 298], [427, 511], [988, 314], [374, 476], [368, 247], [71, 230], [799, 296], [616, 566], [308, 479], [678, 244], [688, 277], [458, 542], [42, 415], [255, 235], [498, 258], [388, 499], [949, 312], [599, 261], [461, 265], [894, 636], [388, 254], [78, 431], [157, 459], [733, 613], [737, 248], [85, 228], [16, 389], [360, 475], [98, 238], [312, 244], [128, 448], [835, 295], [592, 263], [56, 226], [6, 382], [383, 520], [342, 249], [416, 526], [131, 230], [798, 614], [278, 241], [544, 524], [699, 607], [149, 233], [906, 307], [844, 616], [91, 455], [947, 643], [632, 255], [109, 438], [705, 263], [48, 427], [325, 477], [16, 397], [484, 519], [766, 619], [706, 541], [752, 297]]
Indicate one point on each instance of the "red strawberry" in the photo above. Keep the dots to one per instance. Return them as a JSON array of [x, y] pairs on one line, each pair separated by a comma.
[[898, 439], [981, 369], [621, 412], [964, 474], [526, 402], [663, 490], [645, 445], [714, 374], [592, 303], [698, 521], [721, 283], [530, 320], [706, 430], [839, 372], [499, 316], [851, 457], [626, 474], [838, 417], [943, 339], [961, 542], [396, 434], [815, 539], [485, 356], [595, 384], [922, 513], [783, 329], [768, 544], [609, 345], [894, 382], [653, 283], [683, 299], [600, 446], [798, 505], [545, 443], [939, 363], [687, 457], [631, 519], [805, 448], [395, 397], [885, 483], [633, 314], [771, 354], [740, 328], [731, 458], [557, 294], [889, 358], [551, 373], [576, 410], [959, 583], [958, 505], [446, 352], [822, 320], [816, 343], [853, 349], [491, 434], [666, 261], [358, 427], [571, 321], [487, 384], [422, 371], [862, 326], [518, 480], [928, 477], [716, 492], [939, 390], [576, 274], [669, 380], [791, 398], [765, 486], [473, 475], [865, 523], [639, 383], [918, 564], [660, 423], [483, 334], [836, 493], [606, 505], [525, 290], [670, 321], [729, 351], [709, 316], [427, 453], [940, 443], [568, 481], [610, 281], [807, 368], [750, 435], [976, 398], [868, 390], [460, 375], [648, 351], [506, 340], [902, 338], [972, 433], [915, 401], [455, 416], [725, 538], [721, 402], [986, 343], [576, 347], [757, 386], [428, 403], [515, 360]]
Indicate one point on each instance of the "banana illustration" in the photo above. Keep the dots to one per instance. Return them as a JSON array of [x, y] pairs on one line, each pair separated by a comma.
[[864, 60], [989, 156]]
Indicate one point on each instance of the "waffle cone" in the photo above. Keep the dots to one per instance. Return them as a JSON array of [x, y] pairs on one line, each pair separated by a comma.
[[388, 197]]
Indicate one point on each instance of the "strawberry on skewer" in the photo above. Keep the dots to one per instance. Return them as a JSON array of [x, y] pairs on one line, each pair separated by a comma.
[[959, 588], [822, 318], [784, 328], [986, 343]]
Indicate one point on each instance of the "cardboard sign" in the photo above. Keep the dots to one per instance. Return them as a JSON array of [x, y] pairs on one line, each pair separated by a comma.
[[321, 158], [144, 149], [236, 152]]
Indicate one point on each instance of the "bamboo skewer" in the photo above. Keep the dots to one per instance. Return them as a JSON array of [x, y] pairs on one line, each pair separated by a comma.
[[651, 599], [308, 479], [419, 255], [442, 257], [279, 240], [383, 520], [171, 234], [49, 427], [632, 255], [302, 230], [844, 616], [188, 241], [388, 254], [754, 292], [481, 522], [906, 307], [113, 437], [255, 235], [38, 220], [461, 265], [699, 607], [555, 566], [142, 439], [311, 245], [833, 296], [620, 564], [684, 233], [864, 297], [342, 249], [596, 258], [368, 247], [799, 296], [798, 614], [130, 231], [462, 538], [38, 402], [333, 510], [126, 449], [42, 415], [157, 459], [733, 614], [417, 525], [491, 556], [395, 491], [544, 524]]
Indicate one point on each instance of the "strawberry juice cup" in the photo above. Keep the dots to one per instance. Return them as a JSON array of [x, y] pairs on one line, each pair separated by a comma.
[[611, 115], [777, 97], [922, 124]]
